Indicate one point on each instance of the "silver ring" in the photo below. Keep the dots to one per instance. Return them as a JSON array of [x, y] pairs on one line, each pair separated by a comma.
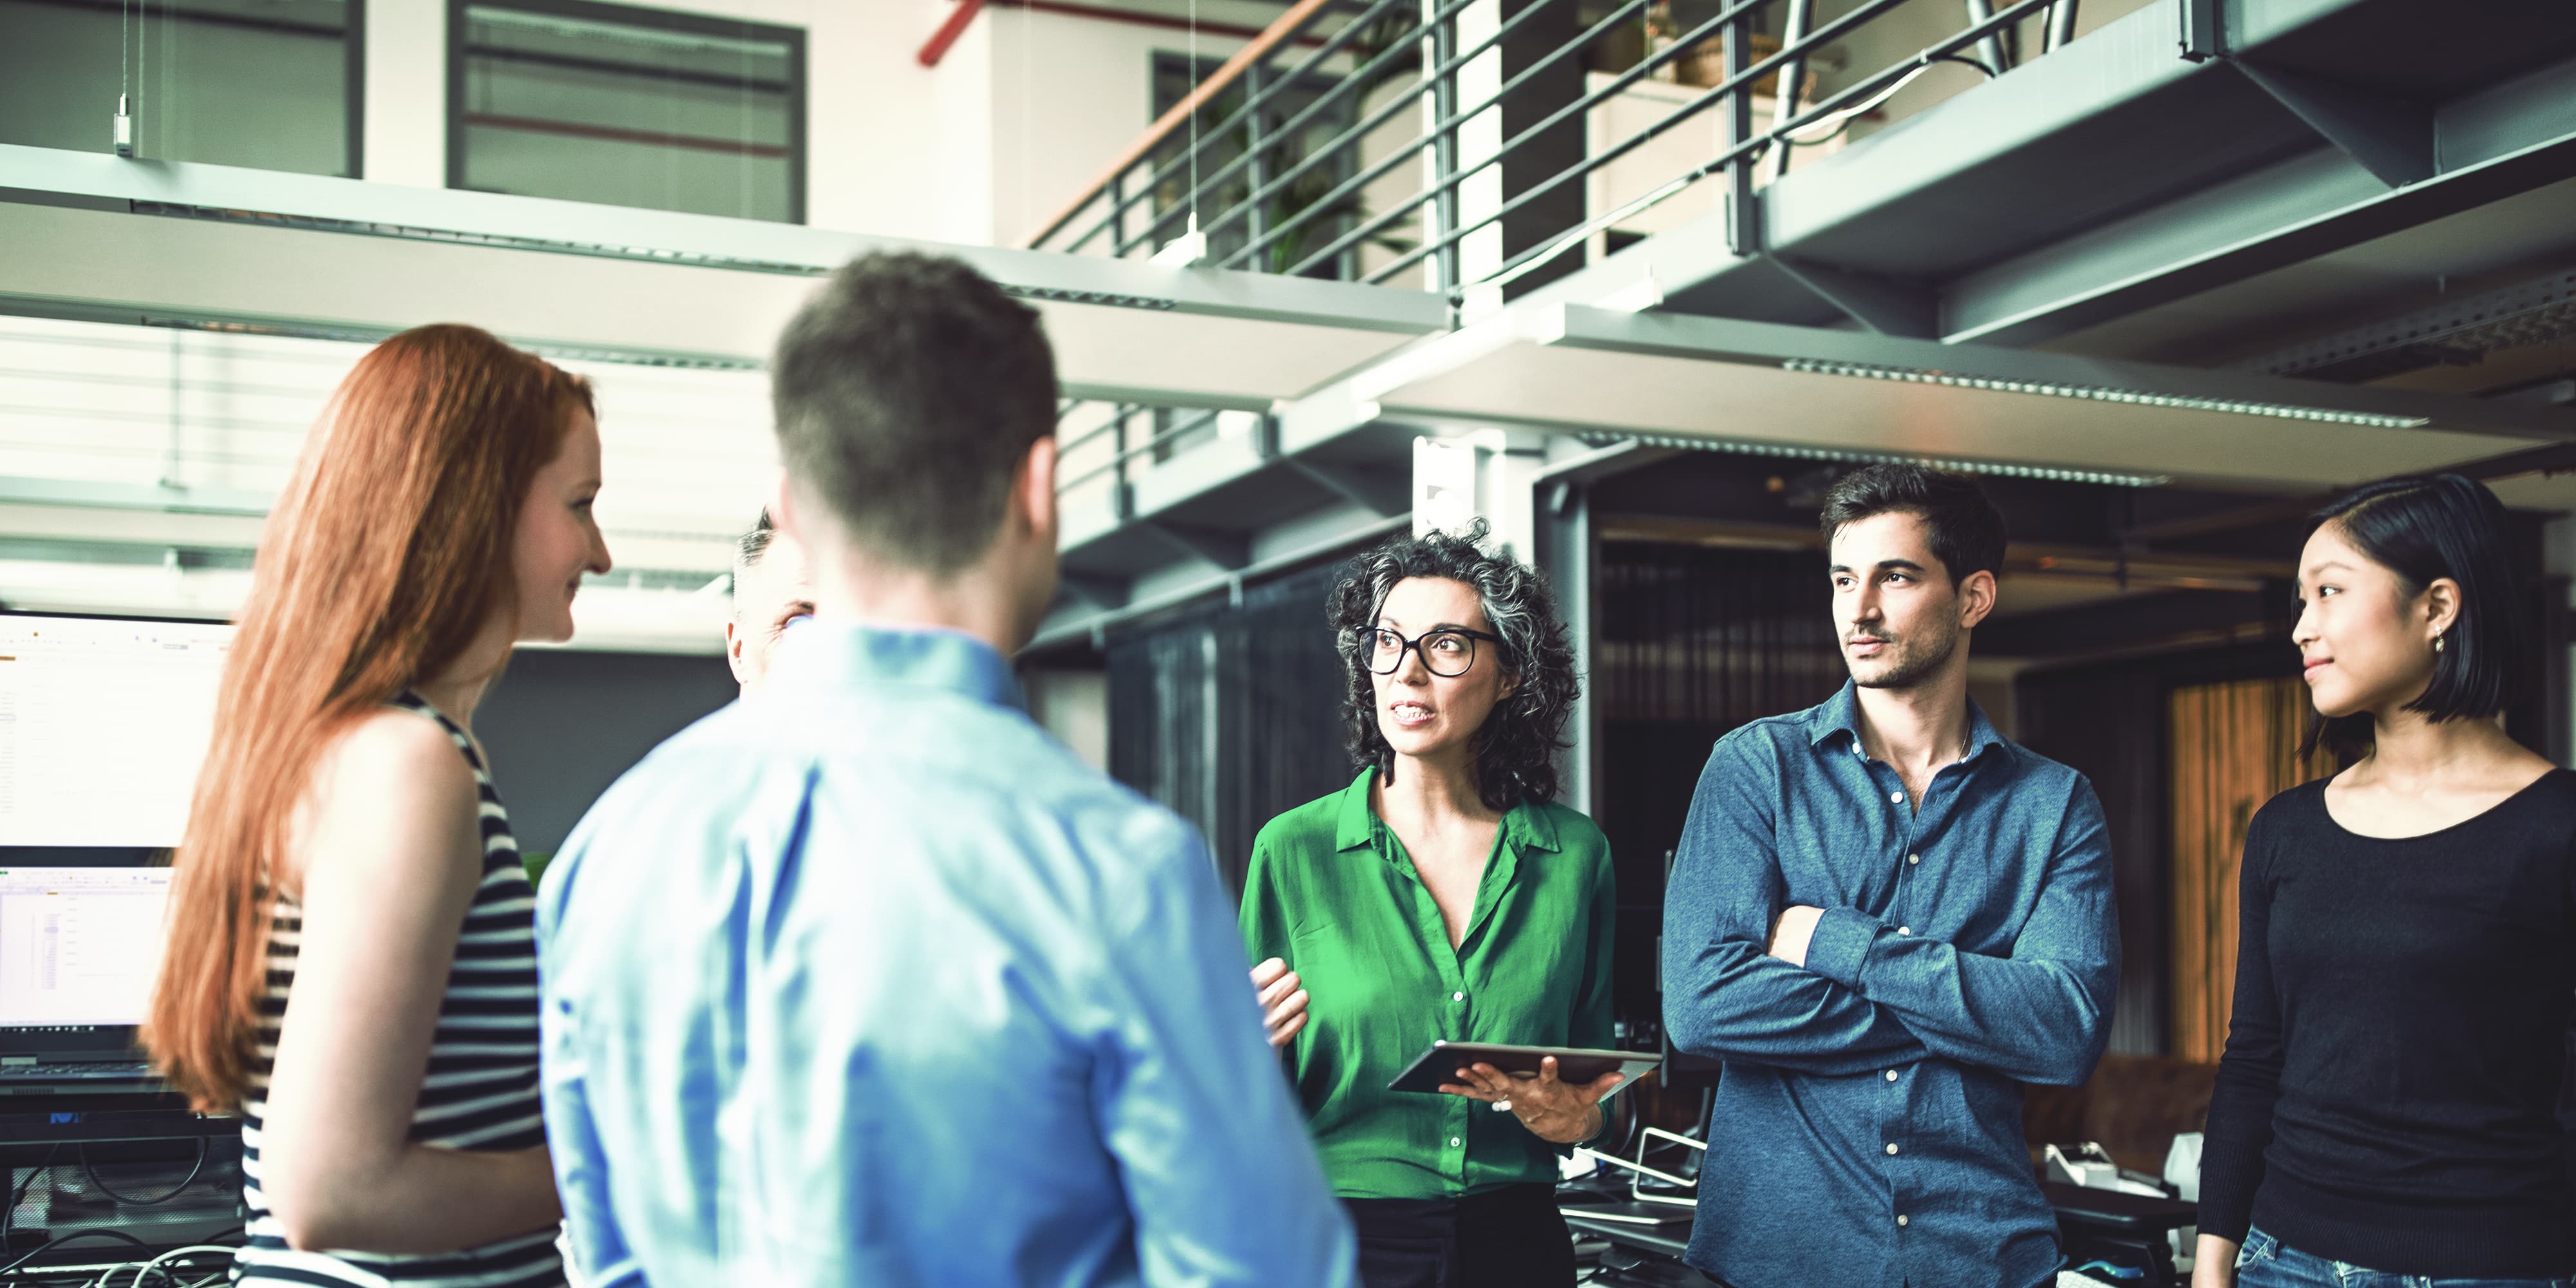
[[1502, 1106]]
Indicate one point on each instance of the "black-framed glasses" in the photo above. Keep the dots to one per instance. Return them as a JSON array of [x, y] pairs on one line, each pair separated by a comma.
[[1447, 651]]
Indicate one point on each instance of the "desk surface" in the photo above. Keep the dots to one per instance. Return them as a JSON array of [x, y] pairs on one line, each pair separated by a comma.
[[2112, 1209]]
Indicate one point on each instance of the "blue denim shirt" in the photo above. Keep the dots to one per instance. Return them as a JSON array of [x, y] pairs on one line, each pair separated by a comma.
[[1867, 1126], [867, 980]]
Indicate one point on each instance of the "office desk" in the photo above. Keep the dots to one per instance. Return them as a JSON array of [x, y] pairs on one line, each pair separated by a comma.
[[2124, 1228]]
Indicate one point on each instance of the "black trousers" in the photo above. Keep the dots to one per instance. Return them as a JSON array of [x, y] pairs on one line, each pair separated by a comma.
[[1506, 1238]]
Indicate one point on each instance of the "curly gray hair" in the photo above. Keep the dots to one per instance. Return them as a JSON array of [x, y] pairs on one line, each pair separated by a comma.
[[1515, 750]]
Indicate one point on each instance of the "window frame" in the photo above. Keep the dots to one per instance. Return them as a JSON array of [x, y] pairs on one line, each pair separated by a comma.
[[598, 11], [353, 53]]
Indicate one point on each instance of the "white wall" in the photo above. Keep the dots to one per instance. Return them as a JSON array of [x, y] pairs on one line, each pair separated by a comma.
[[892, 147]]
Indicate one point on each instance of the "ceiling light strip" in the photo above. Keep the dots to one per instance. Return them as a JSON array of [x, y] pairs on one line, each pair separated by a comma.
[[2284, 411]]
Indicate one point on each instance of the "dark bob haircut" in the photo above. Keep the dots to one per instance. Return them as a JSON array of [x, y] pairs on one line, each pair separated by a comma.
[[1965, 529], [2425, 529], [1515, 750]]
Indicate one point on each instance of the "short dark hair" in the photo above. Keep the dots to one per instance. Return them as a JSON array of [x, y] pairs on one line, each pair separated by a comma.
[[1515, 750], [1967, 532], [2424, 529], [907, 391], [750, 546]]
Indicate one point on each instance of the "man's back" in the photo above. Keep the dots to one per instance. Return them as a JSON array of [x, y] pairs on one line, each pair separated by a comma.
[[870, 981]]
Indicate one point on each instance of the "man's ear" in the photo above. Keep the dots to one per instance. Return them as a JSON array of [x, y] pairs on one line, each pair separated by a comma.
[[1034, 490], [1977, 597], [734, 641]]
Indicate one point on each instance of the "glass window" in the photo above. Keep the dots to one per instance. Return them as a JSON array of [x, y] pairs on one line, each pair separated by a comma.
[[267, 83], [627, 107]]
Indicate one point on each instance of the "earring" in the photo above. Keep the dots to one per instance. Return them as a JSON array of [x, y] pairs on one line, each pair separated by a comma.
[[2437, 642]]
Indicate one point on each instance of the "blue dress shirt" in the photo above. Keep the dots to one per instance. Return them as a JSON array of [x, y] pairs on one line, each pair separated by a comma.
[[1867, 1126], [867, 980]]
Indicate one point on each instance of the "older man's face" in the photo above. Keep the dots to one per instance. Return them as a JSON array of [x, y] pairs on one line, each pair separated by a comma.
[[777, 590]]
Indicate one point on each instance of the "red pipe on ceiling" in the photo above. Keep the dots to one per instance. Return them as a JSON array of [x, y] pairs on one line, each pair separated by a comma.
[[949, 31]]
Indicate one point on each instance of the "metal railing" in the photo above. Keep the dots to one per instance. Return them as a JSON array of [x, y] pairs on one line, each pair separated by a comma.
[[1358, 139]]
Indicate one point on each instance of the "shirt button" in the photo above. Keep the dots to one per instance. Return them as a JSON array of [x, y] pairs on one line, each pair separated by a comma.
[[1453, 1142], [1900, 1218], [1913, 858], [1896, 798], [1457, 997], [1891, 1075], [1905, 930], [1891, 1149]]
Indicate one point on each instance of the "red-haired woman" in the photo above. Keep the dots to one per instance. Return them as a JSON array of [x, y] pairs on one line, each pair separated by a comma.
[[351, 961]]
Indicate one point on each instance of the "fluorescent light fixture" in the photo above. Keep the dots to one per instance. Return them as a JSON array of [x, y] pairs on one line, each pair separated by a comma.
[[2285, 411], [2051, 473]]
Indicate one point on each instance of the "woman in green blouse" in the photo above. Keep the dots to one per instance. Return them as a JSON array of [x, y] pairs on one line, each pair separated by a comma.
[[1443, 894]]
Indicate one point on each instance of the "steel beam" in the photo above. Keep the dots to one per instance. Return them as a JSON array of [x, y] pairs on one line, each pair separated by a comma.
[[2391, 137], [2501, 142]]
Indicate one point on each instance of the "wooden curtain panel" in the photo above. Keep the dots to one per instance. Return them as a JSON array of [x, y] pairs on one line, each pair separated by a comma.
[[2234, 747]]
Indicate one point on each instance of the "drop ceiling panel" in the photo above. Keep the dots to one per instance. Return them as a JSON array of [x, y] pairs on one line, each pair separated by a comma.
[[1727, 382], [92, 237]]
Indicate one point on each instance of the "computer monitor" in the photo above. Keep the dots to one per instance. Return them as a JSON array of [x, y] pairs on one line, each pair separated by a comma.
[[103, 724], [79, 948]]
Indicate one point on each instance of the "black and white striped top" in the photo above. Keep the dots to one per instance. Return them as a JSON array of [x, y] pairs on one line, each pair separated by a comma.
[[481, 1092]]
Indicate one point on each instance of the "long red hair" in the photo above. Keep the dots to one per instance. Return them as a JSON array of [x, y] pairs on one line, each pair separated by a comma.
[[386, 555]]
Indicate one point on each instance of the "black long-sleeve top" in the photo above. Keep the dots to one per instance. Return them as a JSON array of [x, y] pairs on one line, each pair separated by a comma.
[[2389, 1089]]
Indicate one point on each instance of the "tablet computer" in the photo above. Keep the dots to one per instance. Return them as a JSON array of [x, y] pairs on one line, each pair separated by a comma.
[[1442, 1062]]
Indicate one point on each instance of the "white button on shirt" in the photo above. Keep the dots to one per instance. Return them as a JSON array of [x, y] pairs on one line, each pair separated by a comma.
[[1896, 798], [1891, 1149], [1891, 1075], [1457, 997], [1913, 858], [1900, 1218]]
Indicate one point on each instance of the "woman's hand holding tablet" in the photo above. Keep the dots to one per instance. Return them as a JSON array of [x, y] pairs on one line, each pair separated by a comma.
[[1554, 1110]]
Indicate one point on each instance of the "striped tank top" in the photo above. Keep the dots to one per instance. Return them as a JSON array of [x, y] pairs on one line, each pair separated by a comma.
[[481, 1091]]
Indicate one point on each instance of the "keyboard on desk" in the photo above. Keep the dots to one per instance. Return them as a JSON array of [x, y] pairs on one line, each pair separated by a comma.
[[32, 1078]]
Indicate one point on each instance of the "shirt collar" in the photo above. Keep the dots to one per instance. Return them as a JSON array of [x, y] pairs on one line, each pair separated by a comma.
[[839, 655], [1526, 826], [1840, 714]]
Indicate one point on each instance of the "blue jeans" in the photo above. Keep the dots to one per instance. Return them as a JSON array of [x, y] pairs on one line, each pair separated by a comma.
[[2266, 1262]]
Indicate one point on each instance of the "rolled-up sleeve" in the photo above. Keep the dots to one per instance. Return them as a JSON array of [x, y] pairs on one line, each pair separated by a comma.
[[1212, 1150], [1724, 995]]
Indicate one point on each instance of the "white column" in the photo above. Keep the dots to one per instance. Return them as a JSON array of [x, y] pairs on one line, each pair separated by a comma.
[[405, 139]]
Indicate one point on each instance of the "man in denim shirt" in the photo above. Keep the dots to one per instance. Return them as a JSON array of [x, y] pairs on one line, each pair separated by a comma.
[[1883, 917]]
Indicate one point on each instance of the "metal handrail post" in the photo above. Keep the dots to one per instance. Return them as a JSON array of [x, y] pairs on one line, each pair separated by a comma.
[[1363, 127], [1298, 17], [1445, 271], [1743, 205], [1255, 141], [1815, 111], [1431, 133], [1252, 102], [1859, 14], [1992, 47], [1793, 77], [2061, 24]]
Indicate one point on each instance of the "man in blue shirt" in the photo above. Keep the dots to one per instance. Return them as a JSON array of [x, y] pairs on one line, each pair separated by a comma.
[[865, 979], [1883, 917]]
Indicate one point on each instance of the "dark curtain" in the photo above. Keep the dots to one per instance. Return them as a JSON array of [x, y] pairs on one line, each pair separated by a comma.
[[2113, 723], [2108, 724], [1230, 714], [1692, 642]]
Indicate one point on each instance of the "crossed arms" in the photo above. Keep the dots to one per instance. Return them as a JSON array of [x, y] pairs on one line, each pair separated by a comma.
[[1866, 997]]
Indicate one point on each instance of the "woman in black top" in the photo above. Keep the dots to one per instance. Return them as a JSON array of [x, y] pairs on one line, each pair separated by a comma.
[[2408, 957]]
